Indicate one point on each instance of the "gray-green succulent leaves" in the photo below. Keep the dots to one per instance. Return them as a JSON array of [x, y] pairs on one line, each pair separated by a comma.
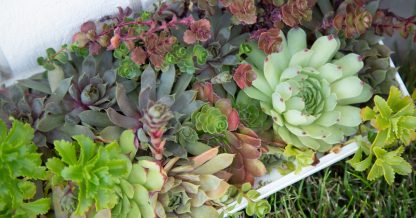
[[308, 93]]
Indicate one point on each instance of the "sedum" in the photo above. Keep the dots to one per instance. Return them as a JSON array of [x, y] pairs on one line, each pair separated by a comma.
[[307, 92]]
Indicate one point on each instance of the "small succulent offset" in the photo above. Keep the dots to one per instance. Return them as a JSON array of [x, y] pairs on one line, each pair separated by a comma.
[[192, 185], [90, 170], [303, 158], [275, 158], [210, 120], [395, 123], [303, 90], [260, 208], [20, 167]]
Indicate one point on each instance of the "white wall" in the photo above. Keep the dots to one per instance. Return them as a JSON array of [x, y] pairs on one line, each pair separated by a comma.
[[28, 27]]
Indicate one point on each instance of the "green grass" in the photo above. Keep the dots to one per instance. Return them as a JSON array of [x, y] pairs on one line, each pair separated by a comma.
[[339, 191]]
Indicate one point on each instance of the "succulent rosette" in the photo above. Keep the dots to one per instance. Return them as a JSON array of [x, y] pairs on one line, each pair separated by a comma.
[[192, 185], [307, 92]]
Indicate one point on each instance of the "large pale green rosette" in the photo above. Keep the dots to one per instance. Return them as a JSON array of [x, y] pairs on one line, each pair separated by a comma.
[[307, 92]]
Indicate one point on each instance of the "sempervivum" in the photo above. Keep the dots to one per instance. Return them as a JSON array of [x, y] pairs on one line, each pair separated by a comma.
[[308, 93], [161, 104]]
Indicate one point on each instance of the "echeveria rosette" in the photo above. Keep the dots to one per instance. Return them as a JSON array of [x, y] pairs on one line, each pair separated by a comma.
[[193, 186], [307, 93], [92, 169], [20, 167]]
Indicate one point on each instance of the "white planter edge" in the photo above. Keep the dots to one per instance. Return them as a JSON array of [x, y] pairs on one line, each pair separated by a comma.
[[276, 182]]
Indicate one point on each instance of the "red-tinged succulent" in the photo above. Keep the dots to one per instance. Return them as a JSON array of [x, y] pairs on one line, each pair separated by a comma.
[[270, 40], [386, 22], [243, 10], [138, 56], [205, 92], [352, 20], [242, 141], [157, 46], [226, 108], [198, 31], [294, 12], [246, 144], [244, 76], [88, 37], [114, 41]]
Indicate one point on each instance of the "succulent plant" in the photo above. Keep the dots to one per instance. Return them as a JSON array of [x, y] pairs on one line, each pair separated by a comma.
[[270, 40], [244, 76], [294, 12], [273, 158], [394, 119], [394, 122], [302, 157], [352, 20], [192, 184], [157, 110], [157, 46], [377, 71], [91, 170], [210, 120], [44, 112], [135, 191], [93, 84], [222, 48], [250, 113], [243, 10], [20, 168], [198, 31], [245, 144], [303, 90]]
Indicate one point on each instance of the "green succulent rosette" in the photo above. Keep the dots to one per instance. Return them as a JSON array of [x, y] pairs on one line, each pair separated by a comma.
[[307, 93], [210, 120]]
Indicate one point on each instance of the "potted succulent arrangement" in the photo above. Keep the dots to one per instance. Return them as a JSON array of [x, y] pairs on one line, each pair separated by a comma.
[[179, 112]]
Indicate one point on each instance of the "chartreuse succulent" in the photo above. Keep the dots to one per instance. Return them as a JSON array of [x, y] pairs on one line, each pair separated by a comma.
[[89, 173], [394, 122], [20, 167], [193, 185], [210, 120], [308, 93]]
